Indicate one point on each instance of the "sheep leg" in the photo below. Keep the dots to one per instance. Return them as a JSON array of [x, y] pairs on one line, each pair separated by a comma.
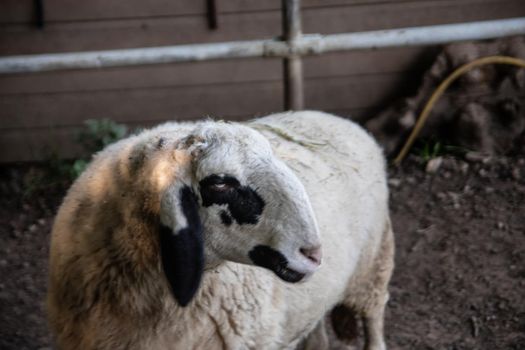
[[368, 292], [374, 313], [317, 339], [373, 328]]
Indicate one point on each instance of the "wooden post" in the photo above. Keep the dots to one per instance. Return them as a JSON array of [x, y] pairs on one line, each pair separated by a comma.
[[293, 68]]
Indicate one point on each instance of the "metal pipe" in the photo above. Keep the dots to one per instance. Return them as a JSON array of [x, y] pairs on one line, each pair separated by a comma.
[[304, 45], [418, 36], [293, 83], [292, 64], [131, 57]]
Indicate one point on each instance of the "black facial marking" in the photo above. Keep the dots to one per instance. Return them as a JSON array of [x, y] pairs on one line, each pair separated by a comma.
[[161, 143], [190, 208], [273, 260], [182, 253], [216, 179], [244, 203], [267, 257], [226, 218]]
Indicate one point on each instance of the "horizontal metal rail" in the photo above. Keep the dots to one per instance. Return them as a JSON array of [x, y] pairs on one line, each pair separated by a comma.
[[131, 57], [304, 45]]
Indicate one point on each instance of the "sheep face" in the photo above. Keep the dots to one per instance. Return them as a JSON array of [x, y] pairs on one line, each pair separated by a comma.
[[250, 207]]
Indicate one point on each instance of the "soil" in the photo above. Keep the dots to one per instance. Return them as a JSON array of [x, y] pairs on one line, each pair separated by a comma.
[[460, 274], [460, 237]]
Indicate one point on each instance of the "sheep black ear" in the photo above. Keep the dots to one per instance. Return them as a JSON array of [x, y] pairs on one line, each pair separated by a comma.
[[182, 247]]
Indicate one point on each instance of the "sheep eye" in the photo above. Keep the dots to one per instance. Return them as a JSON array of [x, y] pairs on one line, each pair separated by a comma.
[[219, 183], [221, 187]]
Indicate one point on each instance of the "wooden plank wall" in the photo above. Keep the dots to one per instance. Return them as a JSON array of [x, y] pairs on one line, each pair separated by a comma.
[[40, 113]]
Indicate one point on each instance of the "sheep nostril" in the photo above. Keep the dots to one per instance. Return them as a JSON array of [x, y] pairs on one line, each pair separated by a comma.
[[314, 254]]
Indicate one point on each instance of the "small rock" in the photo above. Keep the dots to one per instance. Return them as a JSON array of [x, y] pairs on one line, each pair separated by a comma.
[[441, 195], [41, 222], [455, 199], [476, 157], [3, 263], [33, 228], [516, 174], [474, 323], [464, 168], [433, 165], [500, 225], [503, 161], [450, 164], [395, 183], [483, 173], [494, 234]]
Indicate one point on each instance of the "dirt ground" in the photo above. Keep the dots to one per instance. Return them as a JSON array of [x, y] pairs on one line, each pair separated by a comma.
[[459, 280]]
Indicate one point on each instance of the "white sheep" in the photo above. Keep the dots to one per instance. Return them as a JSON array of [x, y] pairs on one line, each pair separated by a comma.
[[156, 244]]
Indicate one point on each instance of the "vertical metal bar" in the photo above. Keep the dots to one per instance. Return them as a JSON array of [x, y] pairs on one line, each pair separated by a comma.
[[211, 14], [39, 13], [293, 68]]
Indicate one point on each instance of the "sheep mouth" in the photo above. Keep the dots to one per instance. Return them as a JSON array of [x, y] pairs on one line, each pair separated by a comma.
[[271, 259], [289, 275]]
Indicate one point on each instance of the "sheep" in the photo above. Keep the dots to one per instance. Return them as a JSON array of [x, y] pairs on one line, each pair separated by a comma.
[[218, 235]]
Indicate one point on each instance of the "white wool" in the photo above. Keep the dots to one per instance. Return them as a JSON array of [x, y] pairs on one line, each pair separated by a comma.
[[322, 179]]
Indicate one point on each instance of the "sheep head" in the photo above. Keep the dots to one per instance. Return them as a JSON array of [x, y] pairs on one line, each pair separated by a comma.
[[234, 201]]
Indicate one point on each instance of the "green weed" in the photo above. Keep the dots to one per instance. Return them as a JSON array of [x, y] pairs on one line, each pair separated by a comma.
[[431, 148], [59, 173]]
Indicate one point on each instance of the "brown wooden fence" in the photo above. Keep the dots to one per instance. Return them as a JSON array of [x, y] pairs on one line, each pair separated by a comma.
[[41, 113]]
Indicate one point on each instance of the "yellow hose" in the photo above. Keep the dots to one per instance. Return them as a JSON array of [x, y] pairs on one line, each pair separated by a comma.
[[441, 89]]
